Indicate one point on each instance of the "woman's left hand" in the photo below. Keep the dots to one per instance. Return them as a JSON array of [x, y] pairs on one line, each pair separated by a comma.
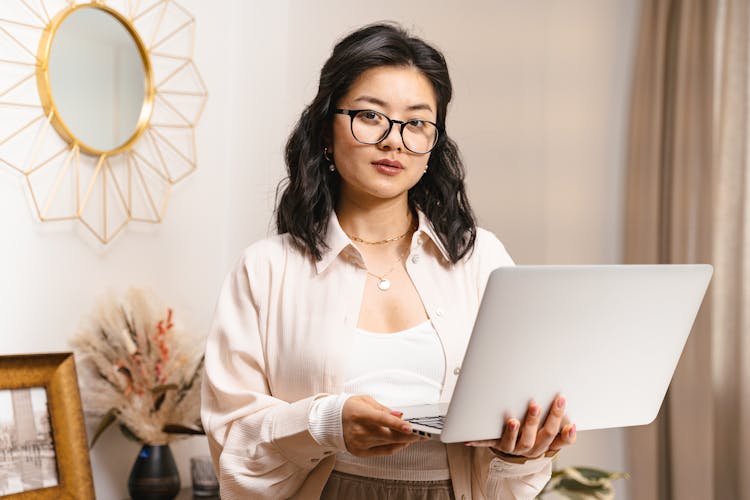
[[528, 439]]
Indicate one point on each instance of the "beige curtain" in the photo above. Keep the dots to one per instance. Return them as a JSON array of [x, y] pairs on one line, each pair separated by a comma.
[[688, 201]]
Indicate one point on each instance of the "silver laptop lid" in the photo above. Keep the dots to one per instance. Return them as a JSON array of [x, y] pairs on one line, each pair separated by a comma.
[[607, 337]]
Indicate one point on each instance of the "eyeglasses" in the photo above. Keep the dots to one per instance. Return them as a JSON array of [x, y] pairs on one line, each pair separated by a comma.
[[372, 127]]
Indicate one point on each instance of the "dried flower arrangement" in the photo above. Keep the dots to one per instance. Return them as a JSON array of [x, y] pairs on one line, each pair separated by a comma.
[[138, 369]]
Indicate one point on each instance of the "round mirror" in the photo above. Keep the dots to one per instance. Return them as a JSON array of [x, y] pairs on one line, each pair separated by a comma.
[[96, 79]]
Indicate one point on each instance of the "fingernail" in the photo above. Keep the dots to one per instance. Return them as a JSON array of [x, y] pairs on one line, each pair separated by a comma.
[[470, 443], [396, 413], [534, 410], [512, 424], [561, 402], [406, 428], [572, 433]]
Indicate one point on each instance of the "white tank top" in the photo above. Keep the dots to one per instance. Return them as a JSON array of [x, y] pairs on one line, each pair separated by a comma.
[[398, 369]]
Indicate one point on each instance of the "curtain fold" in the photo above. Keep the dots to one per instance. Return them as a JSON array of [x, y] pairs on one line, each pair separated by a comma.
[[731, 304], [687, 201]]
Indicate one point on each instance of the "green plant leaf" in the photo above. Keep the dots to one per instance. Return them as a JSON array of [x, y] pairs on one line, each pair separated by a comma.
[[598, 474], [583, 483], [196, 373], [573, 485], [161, 389], [588, 476], [159, 401], [105, 422], [182, 429], [129, 434]]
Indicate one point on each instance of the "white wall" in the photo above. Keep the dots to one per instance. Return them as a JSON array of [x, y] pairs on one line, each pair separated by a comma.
[[539, 111]]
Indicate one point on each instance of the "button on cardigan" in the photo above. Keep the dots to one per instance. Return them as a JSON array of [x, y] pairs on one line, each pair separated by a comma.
[[280, 337]]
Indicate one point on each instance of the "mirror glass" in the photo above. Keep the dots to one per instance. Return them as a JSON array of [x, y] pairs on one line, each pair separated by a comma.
[[97, 79]]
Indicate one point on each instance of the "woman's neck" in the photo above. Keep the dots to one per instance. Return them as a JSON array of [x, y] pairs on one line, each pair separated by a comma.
[[375, 221]]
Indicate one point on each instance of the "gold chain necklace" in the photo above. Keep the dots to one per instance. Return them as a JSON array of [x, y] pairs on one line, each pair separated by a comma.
[[380, 242], [384, 284]]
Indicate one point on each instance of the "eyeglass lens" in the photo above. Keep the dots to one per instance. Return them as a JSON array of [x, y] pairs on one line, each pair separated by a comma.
[[371, 127]]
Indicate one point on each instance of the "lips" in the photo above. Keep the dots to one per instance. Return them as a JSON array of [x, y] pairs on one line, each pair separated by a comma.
[[388, 167], [389, 163]]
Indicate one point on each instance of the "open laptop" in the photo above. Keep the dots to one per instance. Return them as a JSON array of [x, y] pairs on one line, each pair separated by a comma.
[[606, 337]]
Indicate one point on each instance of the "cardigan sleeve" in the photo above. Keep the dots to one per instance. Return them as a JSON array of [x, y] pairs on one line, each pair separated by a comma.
[[518, 481], [480, 475], [491, 254], [261, 446]]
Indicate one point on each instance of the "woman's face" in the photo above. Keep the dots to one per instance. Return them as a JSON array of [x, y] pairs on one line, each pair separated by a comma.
[[387, 170]]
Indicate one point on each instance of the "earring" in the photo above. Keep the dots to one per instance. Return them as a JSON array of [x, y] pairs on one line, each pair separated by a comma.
[[331, 166], [425, 169]]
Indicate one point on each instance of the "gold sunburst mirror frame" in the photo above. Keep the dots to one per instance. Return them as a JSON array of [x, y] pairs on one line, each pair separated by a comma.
[[113, 160]]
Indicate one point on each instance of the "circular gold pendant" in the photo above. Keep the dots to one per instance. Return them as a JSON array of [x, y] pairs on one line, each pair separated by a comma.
[[384, 284]]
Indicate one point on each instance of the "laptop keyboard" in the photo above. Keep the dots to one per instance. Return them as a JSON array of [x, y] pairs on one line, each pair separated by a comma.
[[434, 422]]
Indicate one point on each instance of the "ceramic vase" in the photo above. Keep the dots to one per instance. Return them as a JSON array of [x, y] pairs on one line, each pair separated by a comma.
[[154, 474]]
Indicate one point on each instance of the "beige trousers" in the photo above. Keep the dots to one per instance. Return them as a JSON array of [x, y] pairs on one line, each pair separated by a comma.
[[342, 486]]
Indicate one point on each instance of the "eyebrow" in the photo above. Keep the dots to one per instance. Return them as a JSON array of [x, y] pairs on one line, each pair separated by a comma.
[[378, 102]]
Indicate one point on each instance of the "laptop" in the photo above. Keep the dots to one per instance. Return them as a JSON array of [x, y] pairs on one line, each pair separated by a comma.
[[606, 337]]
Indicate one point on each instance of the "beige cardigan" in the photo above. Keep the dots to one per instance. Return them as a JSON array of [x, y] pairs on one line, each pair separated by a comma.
[[281, 333]]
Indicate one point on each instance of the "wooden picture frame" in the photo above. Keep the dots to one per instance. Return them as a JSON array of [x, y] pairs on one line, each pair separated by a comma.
[[56, 373]]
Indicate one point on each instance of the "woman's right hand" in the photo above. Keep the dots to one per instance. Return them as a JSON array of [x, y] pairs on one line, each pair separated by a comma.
[[371, 429]]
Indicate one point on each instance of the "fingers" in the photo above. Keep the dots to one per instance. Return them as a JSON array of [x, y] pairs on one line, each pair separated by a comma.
[[529, 429], [365, 411], [384, 416], [566, 437], [395, 424], [507, 441], [390, 436], [510, 436], [532, 437], [551, 427], [372, 429], [483, 443], [364, 442]]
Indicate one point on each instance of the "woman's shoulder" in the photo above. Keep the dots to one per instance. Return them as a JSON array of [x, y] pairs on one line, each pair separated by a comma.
[[270, 252], [487, 238], [490, 250], [270, 246]]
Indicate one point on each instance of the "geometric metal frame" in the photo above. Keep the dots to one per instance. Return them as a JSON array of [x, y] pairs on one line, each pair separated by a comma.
[[135, 172]]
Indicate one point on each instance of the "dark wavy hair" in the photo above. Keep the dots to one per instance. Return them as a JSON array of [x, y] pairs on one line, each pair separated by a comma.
[[310, 191]]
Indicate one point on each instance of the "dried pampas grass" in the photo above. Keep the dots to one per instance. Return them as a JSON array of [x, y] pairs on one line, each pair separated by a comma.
[[139, 369]]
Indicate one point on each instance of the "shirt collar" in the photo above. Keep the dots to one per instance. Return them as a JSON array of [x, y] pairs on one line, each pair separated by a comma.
[[336, 240], [426, 228]]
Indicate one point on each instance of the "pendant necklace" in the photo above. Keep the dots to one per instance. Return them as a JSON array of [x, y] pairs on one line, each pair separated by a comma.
[[384, 284]]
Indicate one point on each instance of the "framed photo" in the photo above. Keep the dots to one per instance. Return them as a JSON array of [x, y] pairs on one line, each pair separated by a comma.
[[43, 447]]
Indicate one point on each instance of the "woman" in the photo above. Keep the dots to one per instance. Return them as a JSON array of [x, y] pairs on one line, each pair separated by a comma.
[[363, 303]]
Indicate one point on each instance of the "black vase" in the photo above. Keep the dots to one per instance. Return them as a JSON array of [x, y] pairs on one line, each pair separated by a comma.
[[154, 474]]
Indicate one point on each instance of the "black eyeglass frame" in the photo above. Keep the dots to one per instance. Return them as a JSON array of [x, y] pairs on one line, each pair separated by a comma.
[[353, 112]]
